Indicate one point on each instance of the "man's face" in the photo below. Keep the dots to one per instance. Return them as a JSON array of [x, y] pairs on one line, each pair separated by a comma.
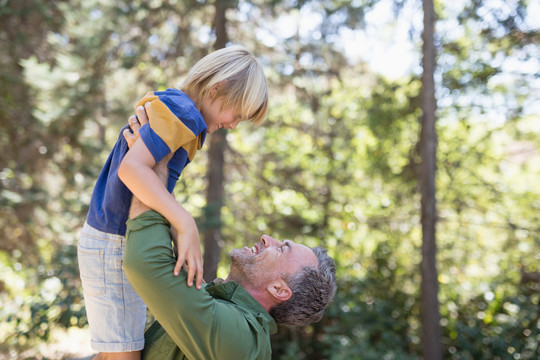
[[269, 259]]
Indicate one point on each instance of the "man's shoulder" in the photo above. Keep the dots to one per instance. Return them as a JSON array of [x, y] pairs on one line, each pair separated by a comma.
[[242, 331]]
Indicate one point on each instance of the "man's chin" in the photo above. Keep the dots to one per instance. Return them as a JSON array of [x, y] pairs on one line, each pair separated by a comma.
[[243, 253], [242, 263], [235, 253]]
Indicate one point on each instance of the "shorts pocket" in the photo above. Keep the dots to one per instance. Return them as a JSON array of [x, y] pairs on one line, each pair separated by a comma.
[[91, 268]]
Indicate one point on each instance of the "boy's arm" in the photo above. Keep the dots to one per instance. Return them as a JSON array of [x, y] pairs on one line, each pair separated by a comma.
[[136, 171]]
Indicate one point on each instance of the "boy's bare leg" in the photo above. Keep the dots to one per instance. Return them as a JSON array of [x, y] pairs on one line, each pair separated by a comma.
[[132, 355]]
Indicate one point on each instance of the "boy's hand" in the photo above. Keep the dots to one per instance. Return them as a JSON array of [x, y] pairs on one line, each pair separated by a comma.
[[135, 123], [189, 252], [174, 236]]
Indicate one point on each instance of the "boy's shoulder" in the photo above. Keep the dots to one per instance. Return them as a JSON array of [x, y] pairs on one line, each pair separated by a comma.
[[173, 105], [182, 107], [177, 99], [174, 95]]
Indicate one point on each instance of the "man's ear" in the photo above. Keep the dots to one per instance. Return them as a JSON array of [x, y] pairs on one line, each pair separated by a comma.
[[279, 290]]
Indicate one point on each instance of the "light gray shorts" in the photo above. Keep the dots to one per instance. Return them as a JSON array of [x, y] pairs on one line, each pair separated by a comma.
[[116, 314]]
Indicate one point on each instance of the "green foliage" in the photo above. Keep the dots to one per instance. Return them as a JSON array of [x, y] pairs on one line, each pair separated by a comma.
[[496, 325], [356, 326], [40, 300], [334, 165]]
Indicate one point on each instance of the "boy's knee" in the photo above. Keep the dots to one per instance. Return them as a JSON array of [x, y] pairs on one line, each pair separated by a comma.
[[132, 355]]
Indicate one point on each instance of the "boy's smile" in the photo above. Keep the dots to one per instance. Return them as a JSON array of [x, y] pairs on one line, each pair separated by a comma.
[[217, 117]]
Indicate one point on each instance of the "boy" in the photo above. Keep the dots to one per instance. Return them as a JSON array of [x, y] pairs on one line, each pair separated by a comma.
[[224, 88]]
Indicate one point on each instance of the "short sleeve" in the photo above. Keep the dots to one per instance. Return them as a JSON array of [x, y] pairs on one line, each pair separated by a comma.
[[170, 123]]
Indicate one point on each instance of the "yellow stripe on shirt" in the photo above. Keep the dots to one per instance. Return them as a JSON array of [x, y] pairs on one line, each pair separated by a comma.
[[167, 126]]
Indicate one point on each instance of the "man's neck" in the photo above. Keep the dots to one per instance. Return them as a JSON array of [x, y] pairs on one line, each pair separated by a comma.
[[261, 295]]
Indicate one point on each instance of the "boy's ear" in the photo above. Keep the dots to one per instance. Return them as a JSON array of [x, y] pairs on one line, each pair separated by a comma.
[[279, 290], [214, 89]]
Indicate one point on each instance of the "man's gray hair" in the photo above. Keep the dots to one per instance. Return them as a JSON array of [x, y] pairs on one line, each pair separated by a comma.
[[312, 290]]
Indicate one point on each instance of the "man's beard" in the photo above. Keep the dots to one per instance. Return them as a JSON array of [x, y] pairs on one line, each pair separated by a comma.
[[247, 270]]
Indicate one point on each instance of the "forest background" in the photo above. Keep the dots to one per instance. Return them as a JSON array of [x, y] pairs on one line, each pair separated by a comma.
[[335, 164]]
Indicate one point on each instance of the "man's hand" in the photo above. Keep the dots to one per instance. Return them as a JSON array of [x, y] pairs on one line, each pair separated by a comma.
[[135, 123]]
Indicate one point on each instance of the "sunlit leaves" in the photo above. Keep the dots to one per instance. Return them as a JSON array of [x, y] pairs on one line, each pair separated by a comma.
[[334, 164]]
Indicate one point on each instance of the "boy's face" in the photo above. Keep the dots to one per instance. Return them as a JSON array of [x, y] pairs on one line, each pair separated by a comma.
[[218, 118]]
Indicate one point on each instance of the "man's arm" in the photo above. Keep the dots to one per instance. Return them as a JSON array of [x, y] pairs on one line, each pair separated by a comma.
[[202, 327]]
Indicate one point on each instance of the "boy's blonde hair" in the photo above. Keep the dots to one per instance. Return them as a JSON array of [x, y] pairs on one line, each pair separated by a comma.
[[241, 81]]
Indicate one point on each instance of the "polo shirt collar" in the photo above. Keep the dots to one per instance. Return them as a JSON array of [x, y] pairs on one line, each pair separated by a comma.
[[232, 291]]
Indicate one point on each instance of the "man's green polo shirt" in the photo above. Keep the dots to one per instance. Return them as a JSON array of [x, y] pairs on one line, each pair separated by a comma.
[[223, 321]]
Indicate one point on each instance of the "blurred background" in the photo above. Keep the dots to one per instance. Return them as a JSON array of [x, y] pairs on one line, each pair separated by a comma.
[[335, 164]]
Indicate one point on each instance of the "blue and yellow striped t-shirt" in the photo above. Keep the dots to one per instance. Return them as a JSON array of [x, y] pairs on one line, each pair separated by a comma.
[[175, 126]]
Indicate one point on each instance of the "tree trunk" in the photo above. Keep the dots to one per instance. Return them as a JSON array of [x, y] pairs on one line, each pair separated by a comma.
[[215, 179], [432, 348]]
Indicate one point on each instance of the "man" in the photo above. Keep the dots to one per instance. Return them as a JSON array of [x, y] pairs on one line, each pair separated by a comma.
[[271, 282]]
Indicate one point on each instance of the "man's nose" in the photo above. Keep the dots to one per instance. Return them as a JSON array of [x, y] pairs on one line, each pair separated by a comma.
[[267, 241]]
